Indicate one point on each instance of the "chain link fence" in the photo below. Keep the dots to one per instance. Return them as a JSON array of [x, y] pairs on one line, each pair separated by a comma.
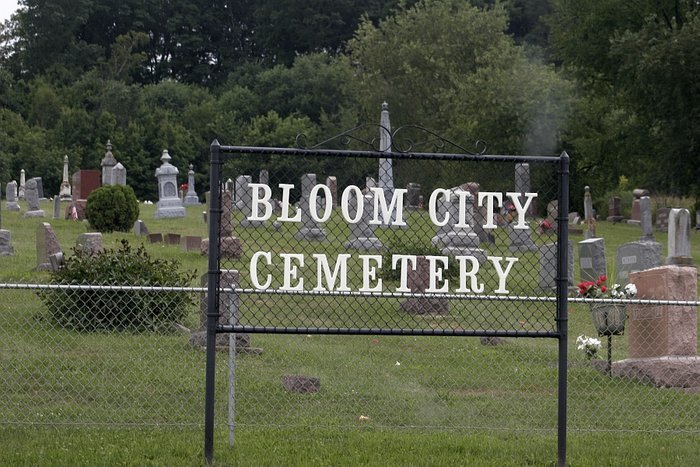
[[448, 301], [55, 376]]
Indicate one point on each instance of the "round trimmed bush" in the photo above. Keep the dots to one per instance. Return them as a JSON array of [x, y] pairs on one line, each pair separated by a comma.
[[111, 208]]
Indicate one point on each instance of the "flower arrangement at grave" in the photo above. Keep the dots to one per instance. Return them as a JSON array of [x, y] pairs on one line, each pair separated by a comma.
[[588, 345], [608, 318]]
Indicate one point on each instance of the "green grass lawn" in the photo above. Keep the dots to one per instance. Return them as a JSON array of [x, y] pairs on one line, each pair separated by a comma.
[[70, 398]]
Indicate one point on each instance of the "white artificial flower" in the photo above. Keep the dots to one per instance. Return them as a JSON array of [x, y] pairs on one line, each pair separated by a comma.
[[631, 290]]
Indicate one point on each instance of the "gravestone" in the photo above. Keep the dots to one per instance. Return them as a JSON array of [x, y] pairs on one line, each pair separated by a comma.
[[169, 204], [548, 266], [40, 188], [172, 239], [634, 257], [553, 214], [191, 243], [85, 182], [230, 186], [264, 177], [56, 261], [478, 215], [370, 183], [6, 248], [245, 191], [65, 191], [662, 219], [679, 238], [332, 184], [118, 174], [22, 184], [589, 214], [32, 194], [614, 209], [413, 195], [520, 239], [418, 281], [57, 214], [310, 229], [46, 245], [90, 243], [108, 162], [140, 228], [636, 216], [662, 330], [11, 192], [229, 309], [591, 255], [386, 171], [76, 210], [242, 193], [362, 233], [523, 185], [230, 247], [155, 237], [646, 222], [191, 197], [454, 240]]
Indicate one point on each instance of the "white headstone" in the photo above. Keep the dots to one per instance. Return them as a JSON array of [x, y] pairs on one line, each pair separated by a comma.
[[169, 203], [679, 237], [65, 191], [119, 174]]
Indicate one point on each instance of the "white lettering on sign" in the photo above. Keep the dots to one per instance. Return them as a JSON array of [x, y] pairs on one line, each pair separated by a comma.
[[629, 260], [331, 277], [587, 263], [384, 212]]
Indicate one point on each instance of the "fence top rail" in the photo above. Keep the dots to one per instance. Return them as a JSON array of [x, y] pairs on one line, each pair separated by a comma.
[[232, 150], [312, 293]]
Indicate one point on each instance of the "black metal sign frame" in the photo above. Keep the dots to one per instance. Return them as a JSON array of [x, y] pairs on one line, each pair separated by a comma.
[[220, 154]]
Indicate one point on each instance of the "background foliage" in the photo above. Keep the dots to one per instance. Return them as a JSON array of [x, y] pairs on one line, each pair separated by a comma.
[[613, 83]]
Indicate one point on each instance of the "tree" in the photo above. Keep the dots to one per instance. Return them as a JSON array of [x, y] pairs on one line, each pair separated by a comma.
[[637, 65], [452, 68]]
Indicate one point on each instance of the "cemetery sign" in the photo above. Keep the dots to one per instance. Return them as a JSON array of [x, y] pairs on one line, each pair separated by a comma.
[[308, 259]]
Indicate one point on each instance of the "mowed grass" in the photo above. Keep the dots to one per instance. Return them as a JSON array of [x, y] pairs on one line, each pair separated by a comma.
[[428, 400]]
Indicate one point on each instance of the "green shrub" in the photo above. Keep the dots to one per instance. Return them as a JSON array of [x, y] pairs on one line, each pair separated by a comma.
[[117, 310], [112, 207]]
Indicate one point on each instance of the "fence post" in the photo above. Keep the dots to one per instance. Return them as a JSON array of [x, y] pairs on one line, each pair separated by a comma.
[[562, 303], [212, 300]]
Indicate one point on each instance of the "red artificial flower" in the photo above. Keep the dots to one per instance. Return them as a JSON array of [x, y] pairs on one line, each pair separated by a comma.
[[602, 278], [603, 288]]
